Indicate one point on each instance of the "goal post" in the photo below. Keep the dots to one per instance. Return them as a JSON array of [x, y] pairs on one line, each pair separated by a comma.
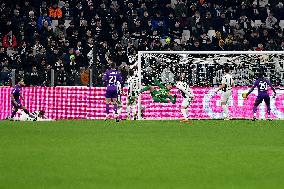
[[208, 61]]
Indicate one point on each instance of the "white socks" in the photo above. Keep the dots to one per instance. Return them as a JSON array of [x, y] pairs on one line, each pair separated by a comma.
[[184, 113], [128, 110], [119, 111], [134, 109], [225, 110]]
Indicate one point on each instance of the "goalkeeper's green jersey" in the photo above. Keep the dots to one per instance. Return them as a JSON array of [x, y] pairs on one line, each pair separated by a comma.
[[162, 93]]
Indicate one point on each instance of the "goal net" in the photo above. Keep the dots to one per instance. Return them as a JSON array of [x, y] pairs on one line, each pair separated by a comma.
[[203, 71]]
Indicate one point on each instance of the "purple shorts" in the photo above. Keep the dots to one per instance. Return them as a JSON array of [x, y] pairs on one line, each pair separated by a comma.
[[111, 94], [259, 100], [19, 104]]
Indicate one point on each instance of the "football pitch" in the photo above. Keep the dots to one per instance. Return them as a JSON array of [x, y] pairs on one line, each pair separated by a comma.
[[142, 155]]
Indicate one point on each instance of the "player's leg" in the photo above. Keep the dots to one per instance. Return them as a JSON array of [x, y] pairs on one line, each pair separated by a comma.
[[173, 99], [16, 107], [119, 106], [26, 111], [147, 88], [134, 109], [14, 111], [114, 102], [128, 103], [224, 101], [110, 94], [267, 102], [161, 100], [130, 99], [257, 102], [108, 102], [184, 109]]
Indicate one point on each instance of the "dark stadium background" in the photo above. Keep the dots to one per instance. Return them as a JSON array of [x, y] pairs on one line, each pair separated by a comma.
[[37, 36]]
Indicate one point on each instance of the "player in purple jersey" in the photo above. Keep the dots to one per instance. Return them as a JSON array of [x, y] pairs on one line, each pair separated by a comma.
[[16, 97], [112, 78], [262, 85]]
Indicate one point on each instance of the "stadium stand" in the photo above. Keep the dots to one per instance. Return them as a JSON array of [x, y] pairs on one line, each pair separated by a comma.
[[73, 36]]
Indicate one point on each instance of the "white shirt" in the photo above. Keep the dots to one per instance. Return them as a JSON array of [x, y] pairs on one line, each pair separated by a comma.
[[227, 79], [184, 89], [133, 85]]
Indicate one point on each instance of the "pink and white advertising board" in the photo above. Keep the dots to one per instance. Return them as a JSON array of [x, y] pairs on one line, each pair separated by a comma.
[[88, 103]]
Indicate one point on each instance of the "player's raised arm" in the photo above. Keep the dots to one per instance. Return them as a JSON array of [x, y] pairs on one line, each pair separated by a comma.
[[254, 85]]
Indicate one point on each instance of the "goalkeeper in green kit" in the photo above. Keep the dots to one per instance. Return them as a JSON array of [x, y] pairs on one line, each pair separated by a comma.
[[162, 95]]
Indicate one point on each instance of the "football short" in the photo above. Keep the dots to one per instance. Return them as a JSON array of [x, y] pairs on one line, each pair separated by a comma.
[[19, 104], [186, 102], [111, 94], [226, 96], [131, 98]]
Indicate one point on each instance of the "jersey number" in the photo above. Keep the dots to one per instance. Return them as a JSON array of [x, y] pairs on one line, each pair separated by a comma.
[[112, 79], [263, 86]]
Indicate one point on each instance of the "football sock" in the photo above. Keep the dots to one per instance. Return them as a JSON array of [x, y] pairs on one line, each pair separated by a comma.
[[184, 113], [254, 109], [107, 108], [134, 109], [13, 113], [115, 108], [172, 99], [268, 110], [225, 110], [119, 110], [128, 109], [254, 114]]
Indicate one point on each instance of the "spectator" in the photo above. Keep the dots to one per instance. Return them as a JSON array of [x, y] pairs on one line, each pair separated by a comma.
[[270, 21], [4, 76], [9, 40], [118, 29], [62, 77], [34, 78], [259, 47], [55, 12], [42, 19]]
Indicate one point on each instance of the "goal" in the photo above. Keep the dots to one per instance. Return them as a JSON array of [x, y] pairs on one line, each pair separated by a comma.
[[203, 71]]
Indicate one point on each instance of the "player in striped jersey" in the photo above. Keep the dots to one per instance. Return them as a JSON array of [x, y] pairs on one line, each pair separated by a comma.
[[187, 95], [133, 91], [226, 86]]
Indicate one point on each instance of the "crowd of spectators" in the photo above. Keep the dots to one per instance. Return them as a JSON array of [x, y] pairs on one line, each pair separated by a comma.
[[71, 36]]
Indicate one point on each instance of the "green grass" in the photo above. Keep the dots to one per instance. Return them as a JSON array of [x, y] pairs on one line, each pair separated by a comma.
[[142, 155]]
